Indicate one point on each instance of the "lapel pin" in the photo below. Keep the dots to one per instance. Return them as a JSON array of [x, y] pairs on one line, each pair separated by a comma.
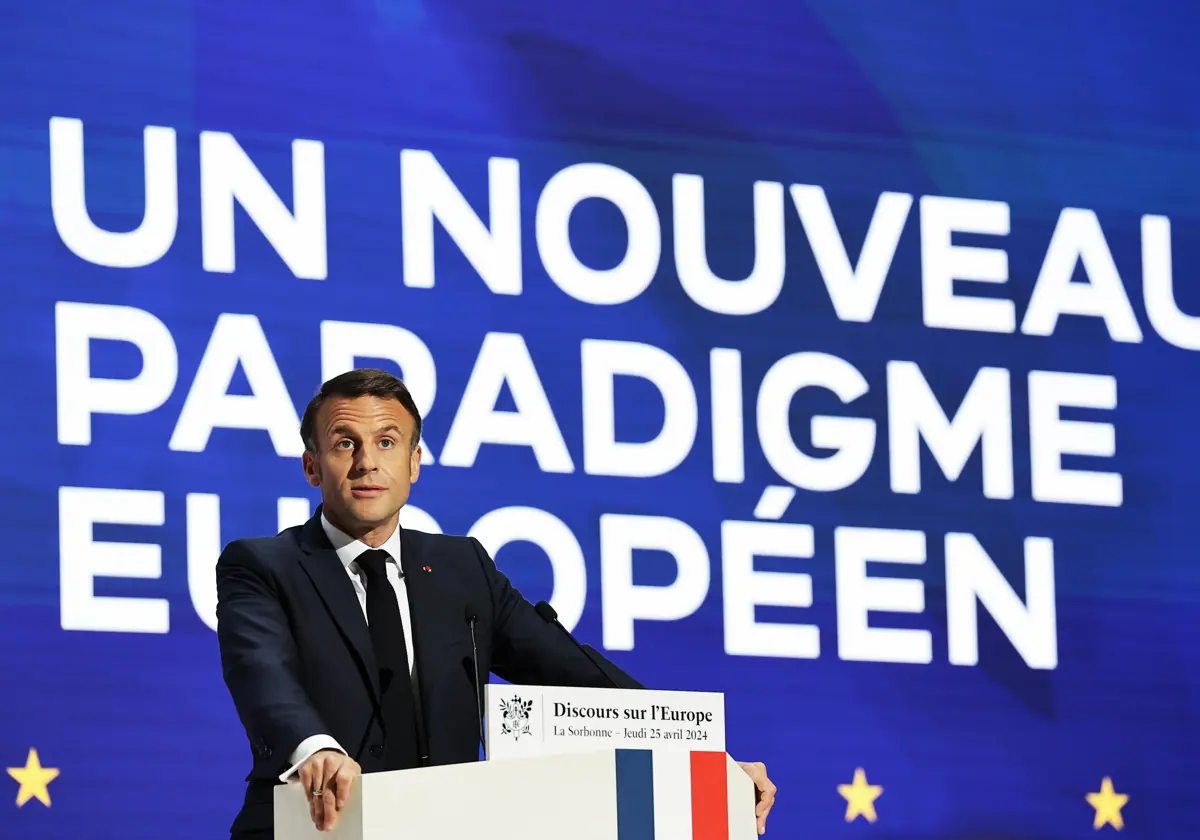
[[428, 568]]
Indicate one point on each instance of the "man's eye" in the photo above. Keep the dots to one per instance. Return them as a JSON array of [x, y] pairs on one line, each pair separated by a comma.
[[344, 444], [387, 443]]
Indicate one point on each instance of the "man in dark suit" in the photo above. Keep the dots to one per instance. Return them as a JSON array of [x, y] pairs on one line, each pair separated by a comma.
[[345, 641]]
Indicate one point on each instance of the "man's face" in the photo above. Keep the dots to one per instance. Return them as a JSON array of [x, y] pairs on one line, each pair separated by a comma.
[[364, 463]]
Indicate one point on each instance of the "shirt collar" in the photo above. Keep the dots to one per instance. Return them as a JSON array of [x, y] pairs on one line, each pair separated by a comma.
[[348, 548]]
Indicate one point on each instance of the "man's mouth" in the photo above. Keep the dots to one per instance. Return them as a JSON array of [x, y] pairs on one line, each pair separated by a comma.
[[364, 491]]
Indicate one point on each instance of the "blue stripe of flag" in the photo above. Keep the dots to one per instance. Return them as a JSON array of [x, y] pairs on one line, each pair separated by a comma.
[[635, 795]]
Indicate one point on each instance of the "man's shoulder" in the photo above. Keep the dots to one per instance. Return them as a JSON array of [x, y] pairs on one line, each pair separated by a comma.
[[426, 541], [283, 544]]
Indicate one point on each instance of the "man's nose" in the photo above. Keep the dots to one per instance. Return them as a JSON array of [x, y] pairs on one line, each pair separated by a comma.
[[364, 460]]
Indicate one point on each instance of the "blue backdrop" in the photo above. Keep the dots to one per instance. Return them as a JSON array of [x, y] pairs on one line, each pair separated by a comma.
[[1017, 110]]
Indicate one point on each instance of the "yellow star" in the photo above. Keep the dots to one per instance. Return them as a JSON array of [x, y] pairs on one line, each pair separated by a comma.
[[860, 797], [34, 780], [1108, 805]]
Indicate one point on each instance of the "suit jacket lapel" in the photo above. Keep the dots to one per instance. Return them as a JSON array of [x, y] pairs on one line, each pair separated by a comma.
[[329, 576], [435, 623]]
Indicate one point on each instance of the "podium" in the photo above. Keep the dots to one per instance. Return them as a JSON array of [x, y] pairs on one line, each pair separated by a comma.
[[600, 795], [562, 764]]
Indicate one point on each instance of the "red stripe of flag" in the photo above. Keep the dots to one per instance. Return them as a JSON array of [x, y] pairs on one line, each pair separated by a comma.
[[710, 797]]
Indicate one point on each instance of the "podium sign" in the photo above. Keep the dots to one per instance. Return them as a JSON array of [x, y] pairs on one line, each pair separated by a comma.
[[527, 721]]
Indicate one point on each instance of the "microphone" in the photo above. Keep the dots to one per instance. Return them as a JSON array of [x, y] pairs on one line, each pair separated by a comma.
[[471, 617], [550, 616]]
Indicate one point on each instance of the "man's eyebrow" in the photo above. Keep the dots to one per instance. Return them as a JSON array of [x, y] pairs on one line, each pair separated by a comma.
[[392, 428], [342, 429]]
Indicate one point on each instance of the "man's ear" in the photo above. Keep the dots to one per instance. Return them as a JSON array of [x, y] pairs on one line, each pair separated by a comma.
[[414, 464], [312, 470]]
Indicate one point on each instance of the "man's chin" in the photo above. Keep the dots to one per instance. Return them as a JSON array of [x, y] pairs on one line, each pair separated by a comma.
[[372, 511]]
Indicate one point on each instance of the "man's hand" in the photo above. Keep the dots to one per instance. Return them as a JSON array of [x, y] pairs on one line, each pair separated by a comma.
[[757, 771], [326, 777]]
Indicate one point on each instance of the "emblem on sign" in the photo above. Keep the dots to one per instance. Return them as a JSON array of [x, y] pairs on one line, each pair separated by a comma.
[[515, 717]]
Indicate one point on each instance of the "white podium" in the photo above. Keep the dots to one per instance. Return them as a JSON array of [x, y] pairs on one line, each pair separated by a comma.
[[574, 788], [604, 795]]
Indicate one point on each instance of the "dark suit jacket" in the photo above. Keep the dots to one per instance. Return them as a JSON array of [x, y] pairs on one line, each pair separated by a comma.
[[297, 658]]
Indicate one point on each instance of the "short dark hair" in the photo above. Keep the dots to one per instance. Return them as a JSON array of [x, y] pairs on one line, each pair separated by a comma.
[[363, 382]]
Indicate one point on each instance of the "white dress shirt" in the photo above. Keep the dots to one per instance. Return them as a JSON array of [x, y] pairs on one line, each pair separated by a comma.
[[348, 549]]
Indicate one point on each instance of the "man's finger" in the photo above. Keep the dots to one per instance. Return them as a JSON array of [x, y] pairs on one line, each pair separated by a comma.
[[764, 806], [314, 810], [333, 762], [329, 805], [761, 814], [765, 793], [343, 780], [307, 772], [315, 791]]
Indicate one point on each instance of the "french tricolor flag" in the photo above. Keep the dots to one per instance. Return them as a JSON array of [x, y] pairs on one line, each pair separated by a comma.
[[678, 795]]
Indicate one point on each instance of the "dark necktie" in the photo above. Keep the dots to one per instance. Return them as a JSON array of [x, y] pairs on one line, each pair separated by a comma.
[[395, 679]]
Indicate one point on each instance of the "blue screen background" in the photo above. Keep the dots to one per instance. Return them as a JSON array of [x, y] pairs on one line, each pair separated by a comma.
[[1043, 106]]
